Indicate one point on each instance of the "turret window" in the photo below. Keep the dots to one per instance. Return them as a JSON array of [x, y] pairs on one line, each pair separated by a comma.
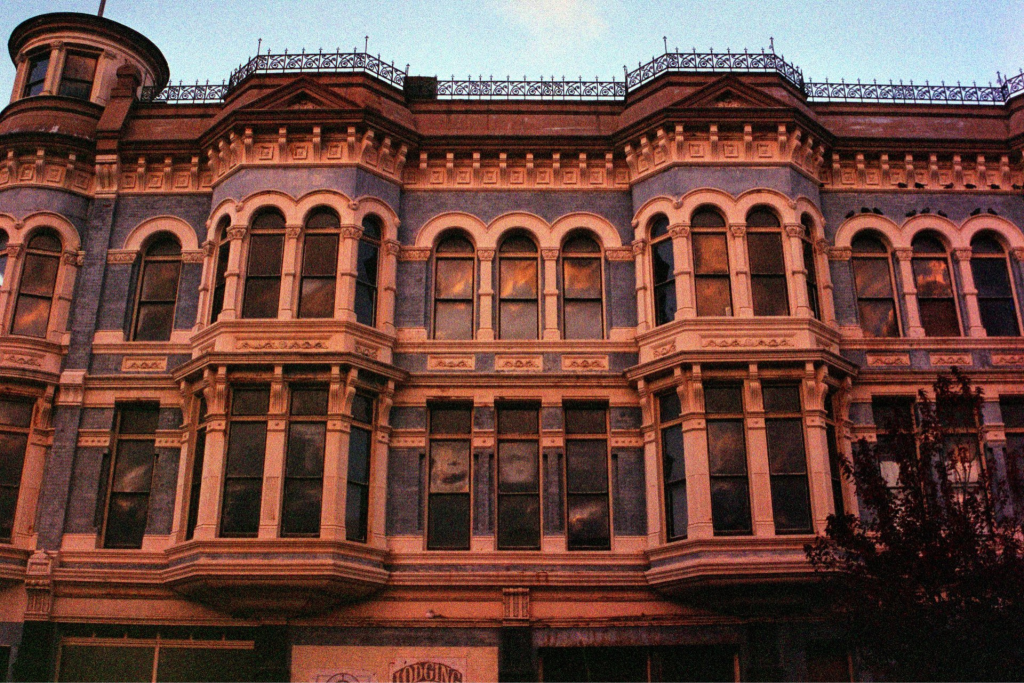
[[673, 465], [727, 452], [36, 78], [15, 421], [806, 242], [77, 77]]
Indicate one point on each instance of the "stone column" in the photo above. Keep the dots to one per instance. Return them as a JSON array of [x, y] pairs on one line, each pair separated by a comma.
[[741, 297], [212, 487], [209, 251], [486, 331], [54, 69], [686, 303], [63, 293], [695, 450], [758, 469], [550, 290], [827, 300], [973, 323], [15, 264], [232, 274], [288, 303], [345, 292], [332, 512], [914, 328], [376, 509], [274, 457], [387, 274], [816, 444], [20, 75], [106, 74], [643, 303], [652, 473], [799, 302]]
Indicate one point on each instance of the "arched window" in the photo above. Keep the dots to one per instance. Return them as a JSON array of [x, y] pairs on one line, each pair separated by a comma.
[[663, 271], [366, 271], [767, 264], [995, 292], [263, 269], [807, 240], [220, 276], [157, 290], [582, 309], [873, 280], [454, 279], [934, 285], [319, 264], [710, 262], [518, 307], [38, 280]]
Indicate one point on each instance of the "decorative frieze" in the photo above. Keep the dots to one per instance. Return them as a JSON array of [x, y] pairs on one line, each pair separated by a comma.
[[1008, 359], [516, 603], [901, 171], [745, 342], [959, 359], [144, 364], [46, 167], [443, 363], [518, 363], [587, 363], [888, 360]]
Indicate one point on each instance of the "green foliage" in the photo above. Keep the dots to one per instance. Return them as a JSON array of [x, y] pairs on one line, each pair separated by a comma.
[[929, 582]]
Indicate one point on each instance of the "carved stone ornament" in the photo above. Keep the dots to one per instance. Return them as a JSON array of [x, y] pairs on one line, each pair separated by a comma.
[[392, 248], [1018, 253], [414, 254], [619, 254], [485, 254], [794, 230], [1008, 359], [904, 254], [889, 360], [963, 253], [518, 363], [236, 233], [549, 254], [746, 343], [639, 246], [351, 232], [121, 256], [960, 359], [679, 231], [595, 363], [840, 253], [462, 362], [74, 258], [738, 230], [190, 256], [516, 603]]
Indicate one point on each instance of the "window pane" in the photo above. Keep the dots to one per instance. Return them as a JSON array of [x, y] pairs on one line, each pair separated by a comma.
[[254, 401], [366, 304], [581, 244], [359, 443], [518, 521], [999, 317], [261, 297], [204, 664], [265, 254], [518, 244], [710, 253], [320, 255], [247, 443], [730, 505], [583, 420], [672, 453], [362, 408], [938, 317], [786, 446], [582, 278], [518, 420], [453, 420], [878, 318], [139, 419], [762, 217], [453, 320], [872, 278], [372, 227], [45, 240], [88, 663], [727, 447], [240, 514], [133, 467], [791, 505], [676, 507], [357, 503], [723, 398], [449, 467], [300, 513], [932, 277], [309, 401], [713, 296], [706, 217], [665, 303], [155, 322], [77, 89], [518, 467], [770, 295], [366, 263], [455, 244], [448, 522], [8, 507], [765, 250], [583, 320], [316, 300], [781, 398], [126, 520], [31, 316], [991, 277], [12, 457], [663, 261], [519, 278], [39, 274], [306, 449], [669, 407], [79, 67], [160, 281], [587, 523], [586, 466], [1012, 408], [518, 320], [455, 278]]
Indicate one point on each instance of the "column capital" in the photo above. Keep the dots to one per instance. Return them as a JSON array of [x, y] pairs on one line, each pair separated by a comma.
[[549, 254], [738, 229], [680, 230], [904, 254], [963, 253], [485, 254]]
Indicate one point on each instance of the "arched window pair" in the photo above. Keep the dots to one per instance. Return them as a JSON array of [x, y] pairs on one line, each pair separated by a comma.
[[709, 242], [519, 290], [317, 276], [874, 280]]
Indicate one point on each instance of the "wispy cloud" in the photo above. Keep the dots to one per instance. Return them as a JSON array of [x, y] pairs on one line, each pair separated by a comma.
[[557, 27]]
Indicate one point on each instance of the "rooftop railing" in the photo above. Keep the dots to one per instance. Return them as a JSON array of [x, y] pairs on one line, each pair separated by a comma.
[[595, 90]]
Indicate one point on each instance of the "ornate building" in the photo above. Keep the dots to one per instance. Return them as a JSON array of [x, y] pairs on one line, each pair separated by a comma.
[[334, 373]]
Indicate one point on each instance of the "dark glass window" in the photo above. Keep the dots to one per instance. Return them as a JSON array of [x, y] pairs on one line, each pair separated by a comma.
[[518, 288], [787, 458], [895, 424], [367, 262], [1012, 408], [588, 524], [263, 271], [767, 263], [3, 256], [15, 422], [727, 455], [448, 503], [360, 449], [36, 79], [582, 307], [124, 659], [835, 453], [304, 462], [710, 262], [810, 266], [196, 479], [673, 465], [131, 475], [934, 287], [663, 271], [220, 274], [76, 79], [873, 280], [518, 476], [243, 472], [454, 287], [828, 660], [991, 273], [157, 291], [38, 280], [319, 264]]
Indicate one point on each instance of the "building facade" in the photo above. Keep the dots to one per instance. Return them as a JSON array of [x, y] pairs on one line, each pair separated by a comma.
[[333, 373]]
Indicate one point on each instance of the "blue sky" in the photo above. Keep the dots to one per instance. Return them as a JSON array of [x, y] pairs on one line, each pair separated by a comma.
[[908, 39]]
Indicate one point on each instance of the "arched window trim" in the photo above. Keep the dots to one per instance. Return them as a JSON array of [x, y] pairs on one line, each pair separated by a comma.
[[503, 299], [149, 263], [586, 256], [662, 250], [703, 272], [368, 284], [917, 259], [317, 267], [1004, 258], [260, 237], [438, 299], [810, 264], [762, 305], [32, 261], [887, 256]]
